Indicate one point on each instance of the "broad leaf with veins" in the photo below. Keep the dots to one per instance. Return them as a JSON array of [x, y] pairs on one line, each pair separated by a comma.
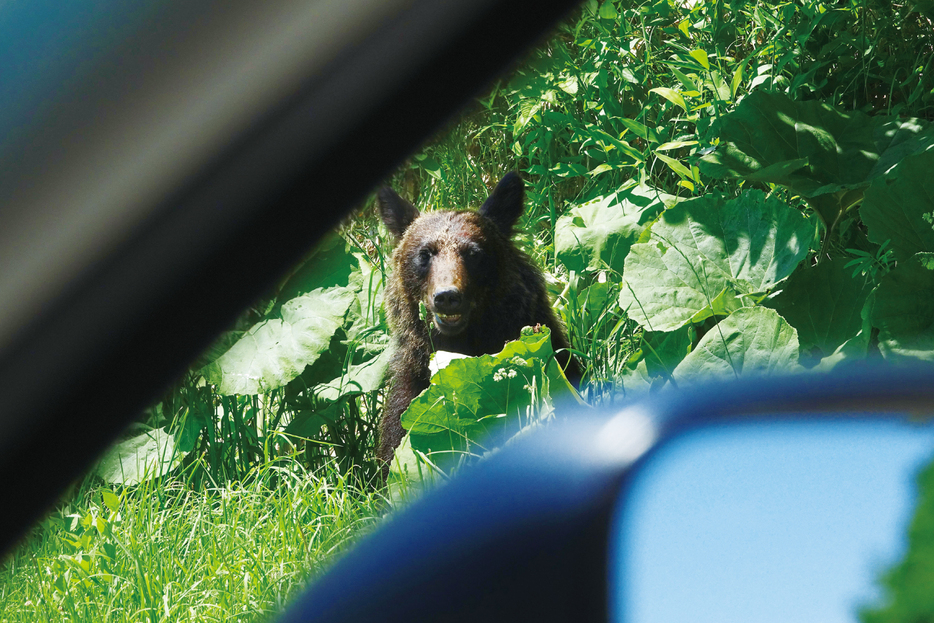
[[704, 252]]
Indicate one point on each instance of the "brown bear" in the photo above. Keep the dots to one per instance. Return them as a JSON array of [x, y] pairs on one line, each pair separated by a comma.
[[478, 288]]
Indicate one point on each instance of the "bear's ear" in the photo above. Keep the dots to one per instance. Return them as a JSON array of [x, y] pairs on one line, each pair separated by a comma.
[[397, 213], [504, 206]]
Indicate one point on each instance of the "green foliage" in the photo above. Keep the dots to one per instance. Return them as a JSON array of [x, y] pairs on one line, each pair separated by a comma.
[[903, 311], [475, 404], [275, 351], [303, 370], [167, 552], [599, 233], [811, 147], [753, 340], [704, 253], [900, 207], [149, 455], [825, 155], [907, 586], [825, 305]]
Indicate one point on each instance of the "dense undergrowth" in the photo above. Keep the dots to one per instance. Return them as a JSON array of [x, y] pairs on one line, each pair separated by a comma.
[[710, 190]]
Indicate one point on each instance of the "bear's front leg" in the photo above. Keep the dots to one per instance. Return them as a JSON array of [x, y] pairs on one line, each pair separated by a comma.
[[410, 377]]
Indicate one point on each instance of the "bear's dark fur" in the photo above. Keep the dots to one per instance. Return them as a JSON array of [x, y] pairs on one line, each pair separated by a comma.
[[479, 289]]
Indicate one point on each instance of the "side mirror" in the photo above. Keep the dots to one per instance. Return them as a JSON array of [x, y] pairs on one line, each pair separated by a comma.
[[550, 528], [766, 521]]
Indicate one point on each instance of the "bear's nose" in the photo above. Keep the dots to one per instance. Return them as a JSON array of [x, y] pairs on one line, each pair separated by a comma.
[[447, 301]]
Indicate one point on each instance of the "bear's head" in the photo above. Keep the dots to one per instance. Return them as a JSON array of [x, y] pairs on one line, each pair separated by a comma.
[[448, 259]]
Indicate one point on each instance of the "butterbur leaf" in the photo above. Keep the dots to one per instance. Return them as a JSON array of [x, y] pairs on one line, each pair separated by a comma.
[[903, 311], [328, 265], [360, 378], [476, 403], [599, 233], [221, 345], [140, 458], [704, 252], [900, 207], [752, 340], [824, 304], [634, 381], [306, 424], [274, 352], [809, 146], [662, 352]]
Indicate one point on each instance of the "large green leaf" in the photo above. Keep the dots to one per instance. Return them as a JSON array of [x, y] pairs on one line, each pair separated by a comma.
[[903, 311], [329, 264], [900, 206], [359, 379], [705, 251], [824, 304], [634, 381], [476, 403], [810, 146], [753, 340], [307, 423], [274, 352], [599, 233], [140, 458], [663, 351]]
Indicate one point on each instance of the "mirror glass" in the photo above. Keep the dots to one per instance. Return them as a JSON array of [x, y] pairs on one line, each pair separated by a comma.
[[767, 522]]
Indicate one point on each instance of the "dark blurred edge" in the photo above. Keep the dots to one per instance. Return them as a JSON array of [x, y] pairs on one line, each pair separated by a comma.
[[158, 301]]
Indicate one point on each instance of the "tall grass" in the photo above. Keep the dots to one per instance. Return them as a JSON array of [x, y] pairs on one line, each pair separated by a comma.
[[163, 552]]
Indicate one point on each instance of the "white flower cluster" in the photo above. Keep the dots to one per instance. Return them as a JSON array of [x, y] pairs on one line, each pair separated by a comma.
[[503, 373]]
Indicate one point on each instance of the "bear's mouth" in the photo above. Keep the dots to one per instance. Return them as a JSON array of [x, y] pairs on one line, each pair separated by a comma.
[[450, 324]]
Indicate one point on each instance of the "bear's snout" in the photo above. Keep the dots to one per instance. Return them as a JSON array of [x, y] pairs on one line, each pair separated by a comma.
[[448, 301], [449, 310]]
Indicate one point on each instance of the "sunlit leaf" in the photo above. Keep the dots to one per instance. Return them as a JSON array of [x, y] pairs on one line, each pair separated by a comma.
[[607, 10], [672, 96], [809, 146], [675, 166], [140, 458], [274, 352], [752, 340], [706, 250], [701, 57], [475, 403], [599, 233]]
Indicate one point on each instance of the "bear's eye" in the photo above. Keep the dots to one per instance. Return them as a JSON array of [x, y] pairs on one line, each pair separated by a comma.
[[424, 257]]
